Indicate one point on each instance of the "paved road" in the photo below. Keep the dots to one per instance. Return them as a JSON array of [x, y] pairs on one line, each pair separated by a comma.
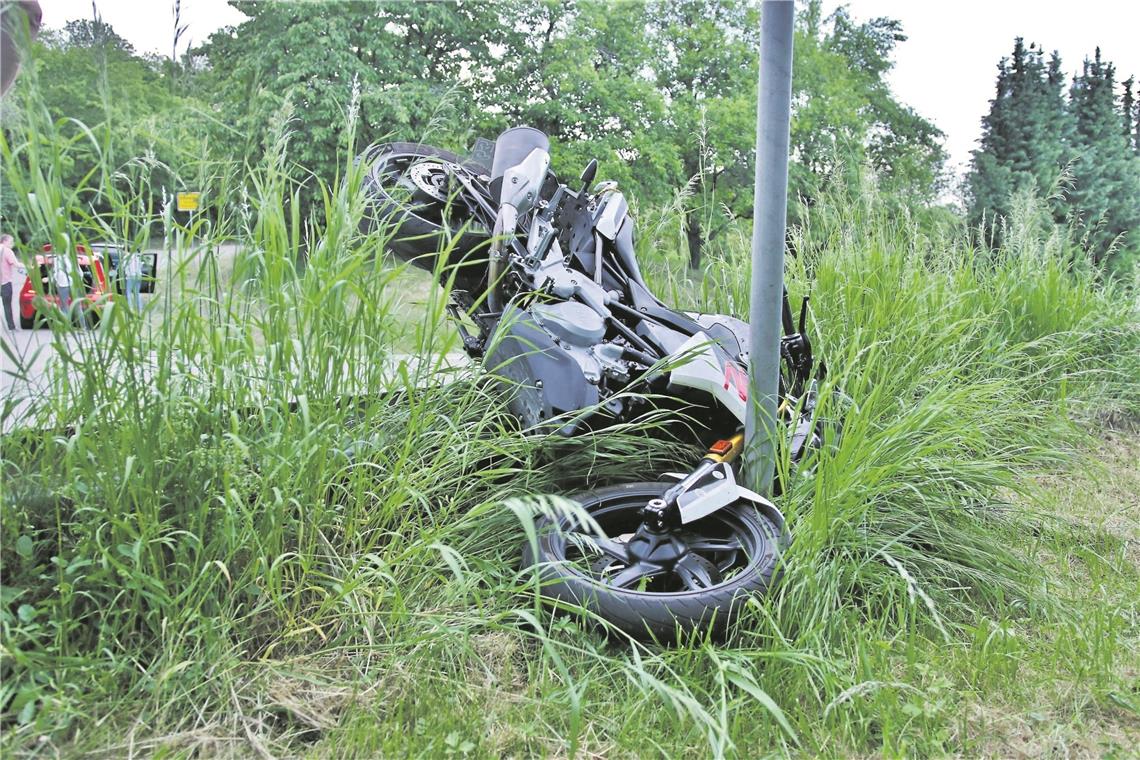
[[29, 359], [26, 359], [31, 366]]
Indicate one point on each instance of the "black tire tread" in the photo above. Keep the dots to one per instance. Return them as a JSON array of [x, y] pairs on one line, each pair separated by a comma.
[[415, 236], [658, 616]]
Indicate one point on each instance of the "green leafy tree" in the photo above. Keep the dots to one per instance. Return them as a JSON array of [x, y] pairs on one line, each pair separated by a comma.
[[405, 67], [844, 117], [705, 66], [577, 70], [662, 93], [89, 74], [109, 106]]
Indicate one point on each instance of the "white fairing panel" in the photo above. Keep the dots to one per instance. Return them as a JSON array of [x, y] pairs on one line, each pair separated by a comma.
[[704, 372], [613, 214]]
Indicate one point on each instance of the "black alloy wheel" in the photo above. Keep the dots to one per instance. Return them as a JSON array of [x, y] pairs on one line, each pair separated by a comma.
[[412, 188], [652, 584]]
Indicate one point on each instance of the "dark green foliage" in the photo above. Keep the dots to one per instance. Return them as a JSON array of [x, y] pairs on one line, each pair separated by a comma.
[[1137, 138], [1023, 144], [662, 94], [705, 63], [845, 119], [1106, 191], [849, 119], [1034, 140], [86, 85], [576, 71], [399, 63], [1127, 108]]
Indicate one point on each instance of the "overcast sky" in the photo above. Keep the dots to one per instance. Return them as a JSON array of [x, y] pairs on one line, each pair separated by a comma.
[[947, 67], [945, 70], [148, 24]]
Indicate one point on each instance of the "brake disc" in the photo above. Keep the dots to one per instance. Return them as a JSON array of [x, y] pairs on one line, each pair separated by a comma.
[[431, 179]]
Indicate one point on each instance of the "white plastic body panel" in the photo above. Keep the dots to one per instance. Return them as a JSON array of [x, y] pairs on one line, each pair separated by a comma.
[[521, 183], [739, 492], [719, 492], [704, 372], [613, 214]]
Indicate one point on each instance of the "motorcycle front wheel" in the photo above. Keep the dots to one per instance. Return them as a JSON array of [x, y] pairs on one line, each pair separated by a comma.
[[410, 187], [695, 578]]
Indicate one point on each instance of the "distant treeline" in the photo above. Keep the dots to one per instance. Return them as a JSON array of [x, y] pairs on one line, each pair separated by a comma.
[[1080, 144], [661, 92]]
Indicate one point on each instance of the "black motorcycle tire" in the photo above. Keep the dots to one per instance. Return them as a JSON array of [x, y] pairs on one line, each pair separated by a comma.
[[650, 615], [420, 231]]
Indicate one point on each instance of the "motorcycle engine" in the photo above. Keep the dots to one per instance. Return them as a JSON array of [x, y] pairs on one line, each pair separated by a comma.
[[571, 322], [579, 330], [554, 359]]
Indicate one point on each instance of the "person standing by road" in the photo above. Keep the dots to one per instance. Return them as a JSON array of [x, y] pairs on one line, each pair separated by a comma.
[[9, 265], [61, 275], [133, 272]]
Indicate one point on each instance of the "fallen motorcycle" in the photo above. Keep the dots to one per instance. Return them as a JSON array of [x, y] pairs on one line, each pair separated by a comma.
[[547, 293]]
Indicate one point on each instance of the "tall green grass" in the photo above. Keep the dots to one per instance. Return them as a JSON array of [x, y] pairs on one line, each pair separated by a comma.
[[253, 529]]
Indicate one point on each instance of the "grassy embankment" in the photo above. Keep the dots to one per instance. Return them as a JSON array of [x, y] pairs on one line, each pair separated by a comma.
[[240, 564]]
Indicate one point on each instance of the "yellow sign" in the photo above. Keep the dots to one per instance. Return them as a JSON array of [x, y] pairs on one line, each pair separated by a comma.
[[188, 201]]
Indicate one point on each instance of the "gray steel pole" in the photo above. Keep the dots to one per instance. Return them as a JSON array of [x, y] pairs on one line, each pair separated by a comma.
[[773, 119]]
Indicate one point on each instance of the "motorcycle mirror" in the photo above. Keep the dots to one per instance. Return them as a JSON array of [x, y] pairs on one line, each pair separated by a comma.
[[589, 173]]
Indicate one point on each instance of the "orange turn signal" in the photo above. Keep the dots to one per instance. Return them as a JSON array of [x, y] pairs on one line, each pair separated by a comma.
[[720, 448]]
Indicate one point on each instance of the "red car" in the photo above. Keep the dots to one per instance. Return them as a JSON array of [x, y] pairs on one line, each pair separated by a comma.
[[89, 302]]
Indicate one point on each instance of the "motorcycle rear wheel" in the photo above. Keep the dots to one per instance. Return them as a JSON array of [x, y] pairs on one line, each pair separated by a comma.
[[727, 557]]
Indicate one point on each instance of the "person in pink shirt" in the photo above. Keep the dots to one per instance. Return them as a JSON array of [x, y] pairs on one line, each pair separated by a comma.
[[9, 266]]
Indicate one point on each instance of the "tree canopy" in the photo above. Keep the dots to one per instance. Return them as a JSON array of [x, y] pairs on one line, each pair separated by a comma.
[[661, 92]]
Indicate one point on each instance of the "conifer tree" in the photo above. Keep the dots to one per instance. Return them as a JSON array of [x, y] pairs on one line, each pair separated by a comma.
[[1126, 109], [1137, 137], [1107, 181], [1023, 136], [1031, 133]]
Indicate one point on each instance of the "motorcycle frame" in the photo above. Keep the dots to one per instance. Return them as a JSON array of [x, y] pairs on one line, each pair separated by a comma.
[[711, 484]]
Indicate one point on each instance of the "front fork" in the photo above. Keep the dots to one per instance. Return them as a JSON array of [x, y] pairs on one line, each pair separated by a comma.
[[710, 486]]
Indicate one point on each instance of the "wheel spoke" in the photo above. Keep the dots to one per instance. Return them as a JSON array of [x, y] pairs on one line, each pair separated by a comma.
[[606, 546], [702, 544], [631, 575], [692, 574]]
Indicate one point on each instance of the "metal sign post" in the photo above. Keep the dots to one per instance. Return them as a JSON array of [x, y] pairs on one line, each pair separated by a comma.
[[770, 203]]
